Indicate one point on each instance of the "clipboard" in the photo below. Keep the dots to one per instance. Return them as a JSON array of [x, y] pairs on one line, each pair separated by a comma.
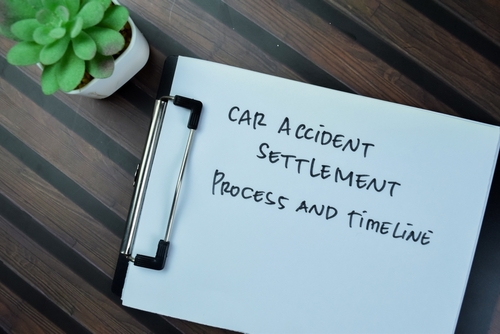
[[304, 209], [141, 179]]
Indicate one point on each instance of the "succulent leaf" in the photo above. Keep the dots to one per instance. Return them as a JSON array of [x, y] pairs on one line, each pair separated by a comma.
[[47, 27], [24, 29], [51, 4], [49, 80], [24, 53], [115, 17], [62, 13], [44, 16], [73, 7], [76, 27], [104, 3], [91, 14], [13, 11], [42, 35], [57, 33], [101, 66], [108, 41], [70, 71], [53, 52], [84, 46]]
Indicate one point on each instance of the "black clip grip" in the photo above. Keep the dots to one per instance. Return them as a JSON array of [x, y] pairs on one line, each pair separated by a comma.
[[194, 105], [157, 262]]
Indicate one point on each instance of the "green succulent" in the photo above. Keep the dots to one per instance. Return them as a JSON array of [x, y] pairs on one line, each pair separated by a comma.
[[69, 37]]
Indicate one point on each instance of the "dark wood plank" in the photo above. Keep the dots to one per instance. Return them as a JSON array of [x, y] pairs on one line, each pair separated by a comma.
[[60, 216], [207, 37], [148, 79], [481, 14], [37, 197], [76, 158], [337, 53], [115, 122], [73, 295], [433, 47], [17, 316], [495, 323]]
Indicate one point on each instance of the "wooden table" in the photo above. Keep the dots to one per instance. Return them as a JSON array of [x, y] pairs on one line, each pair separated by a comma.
[[67, 163]]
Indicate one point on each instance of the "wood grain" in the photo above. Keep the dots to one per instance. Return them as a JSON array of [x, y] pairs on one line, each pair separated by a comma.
[[66, 151], [117, 122], [61, 217], [436, 49], [67, 162], [17, 316], [73, 295], [481, 14], [336, 53], [206, 37]]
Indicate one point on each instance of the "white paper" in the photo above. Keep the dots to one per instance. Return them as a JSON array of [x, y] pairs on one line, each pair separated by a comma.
[[240, 263]]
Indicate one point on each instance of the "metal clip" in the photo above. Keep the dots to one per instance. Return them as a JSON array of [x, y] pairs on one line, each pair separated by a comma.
[[158, 261]]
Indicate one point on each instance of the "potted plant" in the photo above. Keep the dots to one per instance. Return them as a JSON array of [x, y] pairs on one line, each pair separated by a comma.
[[86, 47]]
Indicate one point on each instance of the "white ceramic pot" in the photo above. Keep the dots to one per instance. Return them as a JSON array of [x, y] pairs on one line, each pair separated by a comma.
[[126, 66]]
